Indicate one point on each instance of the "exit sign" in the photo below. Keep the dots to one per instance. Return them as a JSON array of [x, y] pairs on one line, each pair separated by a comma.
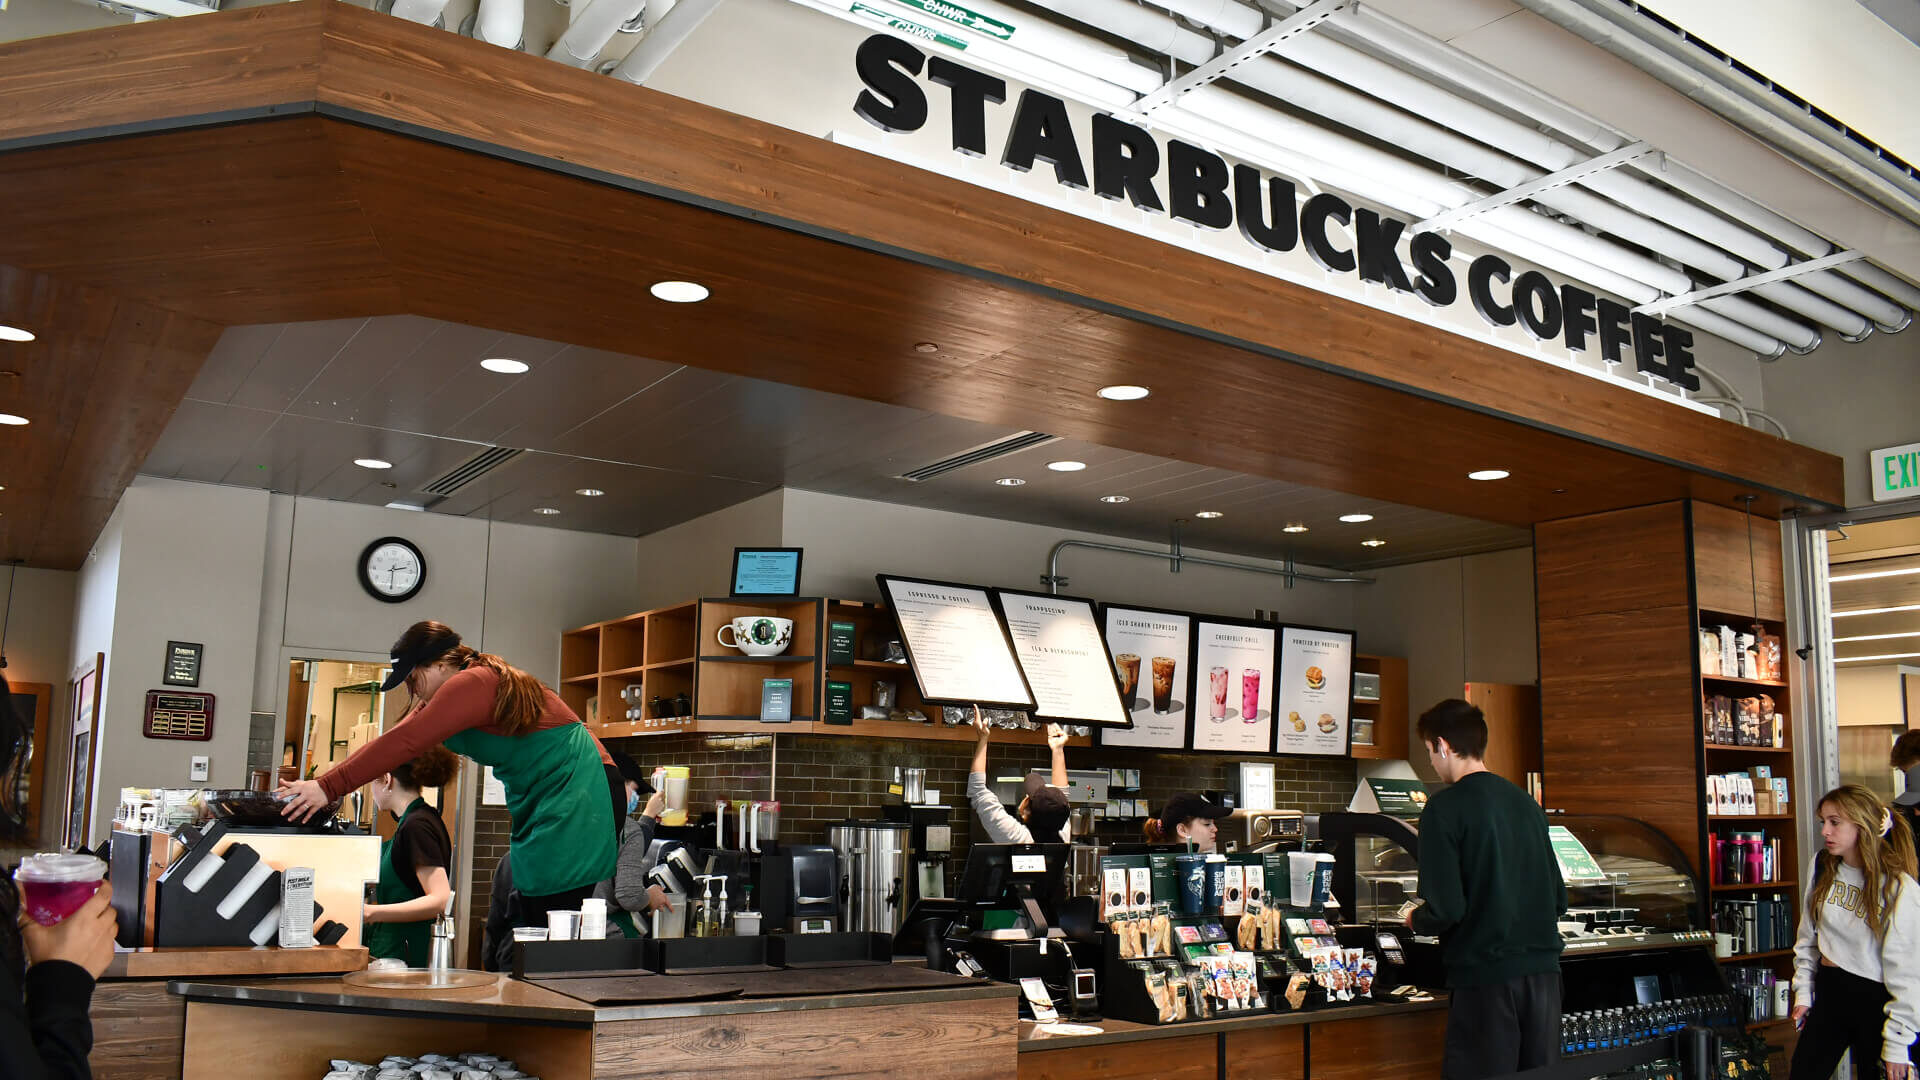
[[1895, 472]]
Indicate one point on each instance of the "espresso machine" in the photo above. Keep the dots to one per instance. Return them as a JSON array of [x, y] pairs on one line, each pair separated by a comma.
[[929, 848]]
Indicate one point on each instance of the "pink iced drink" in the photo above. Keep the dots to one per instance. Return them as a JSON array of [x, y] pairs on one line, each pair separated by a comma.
[[1250, 694], [1217, 680], [54, 886]]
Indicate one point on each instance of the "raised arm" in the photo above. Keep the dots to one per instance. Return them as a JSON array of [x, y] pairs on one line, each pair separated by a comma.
[[1057, 742]]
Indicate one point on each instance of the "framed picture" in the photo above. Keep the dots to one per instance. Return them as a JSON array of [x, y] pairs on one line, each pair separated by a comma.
[[766, 572], [957, 644], [80, 765], [1315, 691], [1232, 686], [1058, 643], [1152, 652]]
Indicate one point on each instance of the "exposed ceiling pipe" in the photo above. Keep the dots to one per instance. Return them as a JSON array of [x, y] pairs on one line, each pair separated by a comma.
[[592, 29], [1670, 225], [663, 37], [1173, 557], [424, 12], [502, 23]]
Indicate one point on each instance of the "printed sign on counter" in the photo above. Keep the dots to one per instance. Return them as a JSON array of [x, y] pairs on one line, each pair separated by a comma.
[[958, 650], [1059, 647], [1232, 687], [1151, 652], [1316, 691]]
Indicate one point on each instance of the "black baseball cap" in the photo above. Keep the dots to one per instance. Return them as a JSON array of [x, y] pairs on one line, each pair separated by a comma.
[[1047, 808], [1186, 806], [422, 644], [630, 771]]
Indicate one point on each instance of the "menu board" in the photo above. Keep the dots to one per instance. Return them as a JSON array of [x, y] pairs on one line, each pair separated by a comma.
[[1315, 691], [1151, 652], [1060, 650], [1232, 687], [958, 650]]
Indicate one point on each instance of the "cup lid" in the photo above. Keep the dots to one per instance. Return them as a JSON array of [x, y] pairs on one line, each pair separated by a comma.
[[58, 866]]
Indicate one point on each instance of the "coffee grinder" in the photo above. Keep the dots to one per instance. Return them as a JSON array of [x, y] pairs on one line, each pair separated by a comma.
[[929, 847]]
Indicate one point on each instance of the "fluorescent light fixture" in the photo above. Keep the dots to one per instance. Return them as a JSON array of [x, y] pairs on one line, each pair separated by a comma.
[[1373, 543], [405, 506], [372, 463], [1124, 392], [1209, 515], [1876, 610], [1356, 519], [1864, 659], [15, 333], [1488, 474], [501, 365], [1116, 498], [1294, 527], [1009, 481], [547, 511], [1066, 466], [1876, 574], [591, 493], [680, 292], [1876, 637]]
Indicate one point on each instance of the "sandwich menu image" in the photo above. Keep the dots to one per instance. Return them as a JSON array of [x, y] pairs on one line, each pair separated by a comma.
[[1233, 687], [1058, 645], [1150, 651], [1315, 692]]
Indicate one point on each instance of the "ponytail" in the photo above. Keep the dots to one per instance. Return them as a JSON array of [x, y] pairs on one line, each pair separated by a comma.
[[1154, 831], [521, 698]]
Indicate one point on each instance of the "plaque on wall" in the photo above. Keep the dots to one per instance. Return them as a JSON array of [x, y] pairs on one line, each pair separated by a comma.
[[1152, 651], [182, 667], [1058, 643], [957, 646]]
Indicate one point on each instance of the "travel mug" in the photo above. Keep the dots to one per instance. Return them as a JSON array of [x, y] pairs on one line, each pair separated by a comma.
[[1192, 872]]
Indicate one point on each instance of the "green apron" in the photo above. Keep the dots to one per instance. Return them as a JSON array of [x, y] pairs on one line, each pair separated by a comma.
[[409, 941], [557, 796]]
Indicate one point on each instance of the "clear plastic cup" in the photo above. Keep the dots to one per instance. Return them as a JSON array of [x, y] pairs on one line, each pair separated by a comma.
[[54, 886]]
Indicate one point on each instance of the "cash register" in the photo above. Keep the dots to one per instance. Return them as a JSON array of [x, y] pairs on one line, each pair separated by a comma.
[[1009, 920]]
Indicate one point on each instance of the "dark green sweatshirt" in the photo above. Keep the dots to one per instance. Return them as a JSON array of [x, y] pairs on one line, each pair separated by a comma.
[[1491, 884]]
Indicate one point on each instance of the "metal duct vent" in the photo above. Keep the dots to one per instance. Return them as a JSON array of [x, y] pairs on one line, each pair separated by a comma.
[[471, 469], [1025, 440]]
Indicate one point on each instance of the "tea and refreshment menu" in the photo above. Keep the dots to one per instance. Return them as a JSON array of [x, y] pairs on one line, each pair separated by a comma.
[[957, 649], [1233, 687], [1058, 644], [1316, 691], [1151, 651]]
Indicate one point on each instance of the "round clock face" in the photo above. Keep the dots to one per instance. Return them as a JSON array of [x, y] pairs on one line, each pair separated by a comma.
[[392, 569]]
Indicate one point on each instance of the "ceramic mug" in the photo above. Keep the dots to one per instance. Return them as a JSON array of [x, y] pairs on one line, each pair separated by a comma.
[[758, 635]]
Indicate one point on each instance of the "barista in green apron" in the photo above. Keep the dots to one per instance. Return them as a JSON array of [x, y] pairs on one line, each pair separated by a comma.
[[413, 887]]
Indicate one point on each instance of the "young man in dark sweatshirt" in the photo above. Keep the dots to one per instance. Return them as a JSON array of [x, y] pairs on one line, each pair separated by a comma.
[[1491, 890]]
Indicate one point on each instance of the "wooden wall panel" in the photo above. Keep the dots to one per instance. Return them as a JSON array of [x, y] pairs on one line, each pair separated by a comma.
[[1724, 580], [958, 1040], [1182, 1057], [1623, 560], [139, 1031], [1406, 1047], [1275, 1053]]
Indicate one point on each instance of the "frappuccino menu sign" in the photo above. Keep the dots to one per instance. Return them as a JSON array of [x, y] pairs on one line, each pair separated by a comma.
[[1129, 163], [1058, 644]]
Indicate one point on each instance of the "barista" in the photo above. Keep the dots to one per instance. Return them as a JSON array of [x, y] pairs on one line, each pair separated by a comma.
[[629, 897], [1043, 812], [413, 887], [1187, 818]]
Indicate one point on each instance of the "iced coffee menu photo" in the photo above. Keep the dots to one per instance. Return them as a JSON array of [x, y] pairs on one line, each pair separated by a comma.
[[1233, 687], [1315, 694], [1150, 651], [959, 652], [1059, 647]]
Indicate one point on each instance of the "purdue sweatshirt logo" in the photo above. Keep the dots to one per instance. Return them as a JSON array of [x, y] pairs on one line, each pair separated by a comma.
[[1848, 898]]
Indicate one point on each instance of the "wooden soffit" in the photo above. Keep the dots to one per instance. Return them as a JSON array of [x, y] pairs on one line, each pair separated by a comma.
[[315, 160]]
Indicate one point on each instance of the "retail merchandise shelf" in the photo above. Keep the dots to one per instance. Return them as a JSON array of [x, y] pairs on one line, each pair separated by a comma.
[[583, 679], [1730, 747], [634, 670], [1750, 817], [667, 664], [1757, 886], [1730, 680], [1776, 954], [624, 729], [771, 660], [888, 664]]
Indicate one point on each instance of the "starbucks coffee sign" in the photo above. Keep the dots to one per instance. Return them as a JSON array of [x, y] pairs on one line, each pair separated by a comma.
[[1125, 162]]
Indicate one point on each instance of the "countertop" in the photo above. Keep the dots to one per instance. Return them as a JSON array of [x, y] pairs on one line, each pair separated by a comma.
[[1124, 1031], [214, 963]]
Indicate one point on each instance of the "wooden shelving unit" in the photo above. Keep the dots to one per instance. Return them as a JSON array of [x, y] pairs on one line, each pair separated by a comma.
[[1389, 714], [600, 661]]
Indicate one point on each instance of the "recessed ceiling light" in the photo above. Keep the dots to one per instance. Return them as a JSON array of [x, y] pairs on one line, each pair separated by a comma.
[[1116, 498], [1373, 543], [1355, 519], [589, 492], [1066, 466], [679, 292], [1488, 474], [404, 506], [372, 463], [1009, 481], [14, 333], [1209, 514], [546, 510], [1875, 574], [1124, 392], [926, 346], [11, 420], [501, 365], [1876, 610], [1293, 527]]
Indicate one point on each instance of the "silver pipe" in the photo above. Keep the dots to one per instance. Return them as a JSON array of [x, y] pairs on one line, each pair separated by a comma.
[[1175, 557]]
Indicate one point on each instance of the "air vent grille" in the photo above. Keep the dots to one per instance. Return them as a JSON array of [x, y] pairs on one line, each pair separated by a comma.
[[1025, 440], [471, 469]]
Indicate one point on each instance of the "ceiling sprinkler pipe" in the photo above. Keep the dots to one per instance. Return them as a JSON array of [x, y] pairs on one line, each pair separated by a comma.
[[1174, 558], [596, 24], [424, 12], [502, 23]]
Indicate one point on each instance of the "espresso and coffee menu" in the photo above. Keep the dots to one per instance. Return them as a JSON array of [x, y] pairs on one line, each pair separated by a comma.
[[958, 650], [1151, 651], [1058, 644], [1232, 687], [1315, 694]]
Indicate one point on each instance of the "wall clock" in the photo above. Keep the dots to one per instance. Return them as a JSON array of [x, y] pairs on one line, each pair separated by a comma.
[[392, 569]]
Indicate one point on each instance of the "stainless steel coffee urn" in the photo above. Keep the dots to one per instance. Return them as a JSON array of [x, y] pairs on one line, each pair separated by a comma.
[[873, 873]]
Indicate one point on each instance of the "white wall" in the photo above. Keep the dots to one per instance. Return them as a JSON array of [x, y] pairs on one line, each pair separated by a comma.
[[1849, 399], [1868, 695], [693, 559]]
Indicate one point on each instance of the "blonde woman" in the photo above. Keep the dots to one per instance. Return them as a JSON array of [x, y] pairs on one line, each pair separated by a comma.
[[1856, 965]]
